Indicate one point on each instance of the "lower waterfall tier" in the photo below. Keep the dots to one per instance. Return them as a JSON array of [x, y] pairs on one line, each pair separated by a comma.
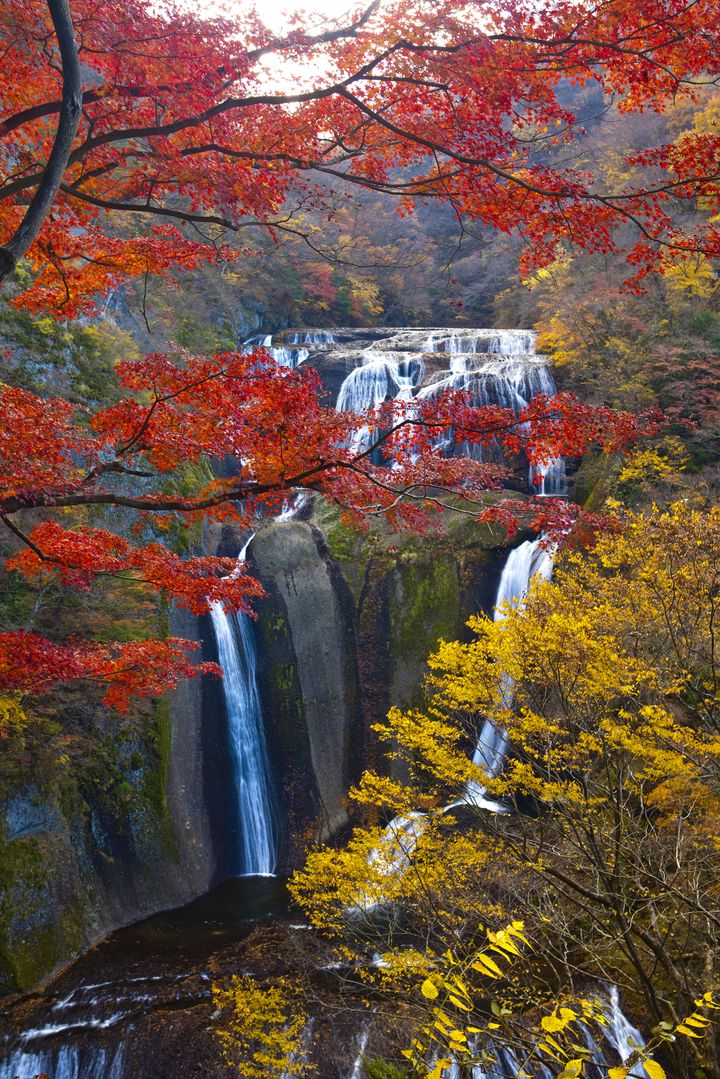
[[140, 1006], [343, 633]]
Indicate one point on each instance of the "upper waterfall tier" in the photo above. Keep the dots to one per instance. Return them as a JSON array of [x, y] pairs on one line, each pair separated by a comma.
[[361, 368]]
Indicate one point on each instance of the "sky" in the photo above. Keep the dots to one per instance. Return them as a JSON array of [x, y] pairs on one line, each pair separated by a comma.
[[273, 11]]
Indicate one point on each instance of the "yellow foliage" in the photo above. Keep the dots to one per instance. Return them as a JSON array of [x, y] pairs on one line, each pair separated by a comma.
[[654, 464], [690, 275], [608, 685], [262, 1029], [12, 717]]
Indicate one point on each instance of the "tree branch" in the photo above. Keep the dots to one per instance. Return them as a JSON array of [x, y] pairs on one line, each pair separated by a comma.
[[70, 113]]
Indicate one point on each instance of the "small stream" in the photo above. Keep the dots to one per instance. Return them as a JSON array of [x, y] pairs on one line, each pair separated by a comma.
[[140, 1003]]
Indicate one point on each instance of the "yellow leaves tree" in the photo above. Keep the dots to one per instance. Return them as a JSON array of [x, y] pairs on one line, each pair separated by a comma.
[[608, 685], [262, 1027], [691, 276]]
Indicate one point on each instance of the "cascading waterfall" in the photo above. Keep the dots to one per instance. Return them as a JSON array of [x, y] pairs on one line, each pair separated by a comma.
[[311, 337], [509, 373], [292, 506], [504, 342], [531, 559], [493, 367], [549, 478], [358, 1065], [248, 748], [302, 1055], [367, 386], [284, 356], [383, 376], [258, 340], [289, 357], [71, 1042], [622, 1035]]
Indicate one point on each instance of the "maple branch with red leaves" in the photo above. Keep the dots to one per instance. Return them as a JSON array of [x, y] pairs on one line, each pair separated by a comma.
[[272, 421], [416, 95], [178, 121]]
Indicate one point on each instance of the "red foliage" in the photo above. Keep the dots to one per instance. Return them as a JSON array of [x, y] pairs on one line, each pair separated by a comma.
[[32, 664], [187, 123], [76, 557], [196, 122], [272, 422]]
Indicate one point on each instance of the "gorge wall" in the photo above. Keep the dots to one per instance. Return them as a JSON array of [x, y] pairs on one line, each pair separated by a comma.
[[343, 633]]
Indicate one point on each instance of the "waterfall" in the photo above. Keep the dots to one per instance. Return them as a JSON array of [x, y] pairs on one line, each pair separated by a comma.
[[622, 1035], [358, 1071], [501, 342], [285, 357], [615, 1038], [302, 1054], [67, 1062], [311, 337], [380, 377], [383, 376], [248, 749], [292, 506], [259, 340], [523, 563], [289, 357], [493, 367], [549, 478]]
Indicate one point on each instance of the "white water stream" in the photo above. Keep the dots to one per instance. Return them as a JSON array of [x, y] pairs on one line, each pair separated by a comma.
[[531, 559], [493, 367], [246, 735], [69, 1062]]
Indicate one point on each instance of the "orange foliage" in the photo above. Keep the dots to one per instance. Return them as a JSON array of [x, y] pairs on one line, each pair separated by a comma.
[[195, 123]]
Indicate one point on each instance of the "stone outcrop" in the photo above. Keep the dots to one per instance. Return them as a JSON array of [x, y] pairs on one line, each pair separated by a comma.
[[344, 632]]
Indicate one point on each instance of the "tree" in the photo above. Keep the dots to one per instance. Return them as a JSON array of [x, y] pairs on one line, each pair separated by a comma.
[[272, 423], [189, 134], [190, 125], [611, 854], [629, 350]]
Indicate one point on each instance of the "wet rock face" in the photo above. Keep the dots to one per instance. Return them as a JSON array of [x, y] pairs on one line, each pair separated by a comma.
[[83, 852], [344, 632], [26, 813], [188, 814], [310, 616]]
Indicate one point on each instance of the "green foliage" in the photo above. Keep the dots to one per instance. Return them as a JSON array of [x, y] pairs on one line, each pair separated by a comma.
[[377, 1068], [75, 359]]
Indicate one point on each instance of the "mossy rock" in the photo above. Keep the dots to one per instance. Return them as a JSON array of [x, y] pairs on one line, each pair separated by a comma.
[[425, 603], [595, 479]]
